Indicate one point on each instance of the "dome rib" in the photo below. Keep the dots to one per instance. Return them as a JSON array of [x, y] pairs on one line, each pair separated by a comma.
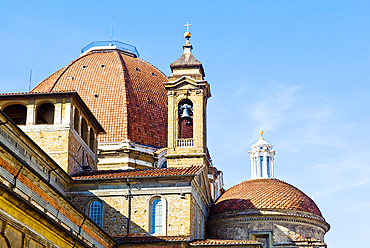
[[39, 87], [264, 194], [125, 93]]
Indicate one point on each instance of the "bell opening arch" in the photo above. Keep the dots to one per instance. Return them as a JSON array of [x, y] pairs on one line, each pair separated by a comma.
[[185, 119]]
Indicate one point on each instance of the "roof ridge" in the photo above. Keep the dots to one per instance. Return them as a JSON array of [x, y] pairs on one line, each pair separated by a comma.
[[150, 172], [65, 69], [145, 169], [153, 66], [125, 76], [46, 80]]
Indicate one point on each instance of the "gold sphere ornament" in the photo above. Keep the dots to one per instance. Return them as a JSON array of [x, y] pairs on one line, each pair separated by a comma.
[[187, 35]]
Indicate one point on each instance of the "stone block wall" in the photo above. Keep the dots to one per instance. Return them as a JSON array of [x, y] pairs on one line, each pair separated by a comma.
[[65, 148], [197, 221], [54, 143], [123, 159], [116, 214], [178, 215], [79, 154], [282, 231]]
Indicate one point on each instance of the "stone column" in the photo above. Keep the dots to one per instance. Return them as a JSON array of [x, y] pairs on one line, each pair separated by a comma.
[[264, 167], [30, 118], [68, 115], [58, 111]]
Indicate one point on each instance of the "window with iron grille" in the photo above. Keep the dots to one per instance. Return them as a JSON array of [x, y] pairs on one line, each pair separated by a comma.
[[95, 212]]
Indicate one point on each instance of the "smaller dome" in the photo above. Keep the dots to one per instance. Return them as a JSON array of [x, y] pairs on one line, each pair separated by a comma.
[[261, 142], [264, 194]]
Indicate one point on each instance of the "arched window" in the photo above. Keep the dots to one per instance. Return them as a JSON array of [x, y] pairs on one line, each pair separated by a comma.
[[95, 212], [185, 119], [157, 215], [76, 120], [84, 130], [92, 140], [17, 113], [45, 114]]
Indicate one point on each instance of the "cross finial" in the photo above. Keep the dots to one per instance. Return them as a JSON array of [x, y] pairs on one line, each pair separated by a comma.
[[187, 34], [187, 25], [261, 133]]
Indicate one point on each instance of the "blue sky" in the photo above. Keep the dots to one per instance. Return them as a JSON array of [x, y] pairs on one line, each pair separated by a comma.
[[299, 69]]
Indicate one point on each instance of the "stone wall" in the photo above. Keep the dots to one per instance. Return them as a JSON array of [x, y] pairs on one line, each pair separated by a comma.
[[116, 213], [66, 148], [79, 154], [125, 158], [54, 143], [283, 228], [178, 220]]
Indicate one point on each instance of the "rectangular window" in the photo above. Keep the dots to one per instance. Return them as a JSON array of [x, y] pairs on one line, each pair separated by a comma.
[[265, 237], [268, 166]]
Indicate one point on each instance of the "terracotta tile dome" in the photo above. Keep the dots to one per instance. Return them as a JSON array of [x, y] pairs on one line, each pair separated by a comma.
[[264, 194], [125, 93]]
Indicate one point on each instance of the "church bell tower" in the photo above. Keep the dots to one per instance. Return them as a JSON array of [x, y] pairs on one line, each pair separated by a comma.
[[187, 93]]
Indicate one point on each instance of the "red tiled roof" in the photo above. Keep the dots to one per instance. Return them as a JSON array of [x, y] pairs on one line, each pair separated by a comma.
[[131, 98], [264, 194], [149, 239], [163, 172], [222, 242]]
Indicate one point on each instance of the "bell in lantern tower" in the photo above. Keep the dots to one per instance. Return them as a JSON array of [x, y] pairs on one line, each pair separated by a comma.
[[186, 112]]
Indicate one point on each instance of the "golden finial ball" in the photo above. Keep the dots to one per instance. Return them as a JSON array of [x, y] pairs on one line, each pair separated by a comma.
[[187, 35]]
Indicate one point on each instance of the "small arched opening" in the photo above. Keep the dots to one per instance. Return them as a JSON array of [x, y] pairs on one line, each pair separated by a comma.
[[45, 114], [185, 108], [17, 113], [76, 119], [84, 130], [92, 140]]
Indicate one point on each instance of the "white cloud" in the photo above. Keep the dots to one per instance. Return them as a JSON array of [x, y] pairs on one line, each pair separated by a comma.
[[276, 102], [340, 187]]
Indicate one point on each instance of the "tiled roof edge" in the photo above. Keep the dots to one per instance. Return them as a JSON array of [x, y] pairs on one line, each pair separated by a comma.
[[112, 171]]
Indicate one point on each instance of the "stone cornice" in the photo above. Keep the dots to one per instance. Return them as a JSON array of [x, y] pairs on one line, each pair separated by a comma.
[[268, 215]]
